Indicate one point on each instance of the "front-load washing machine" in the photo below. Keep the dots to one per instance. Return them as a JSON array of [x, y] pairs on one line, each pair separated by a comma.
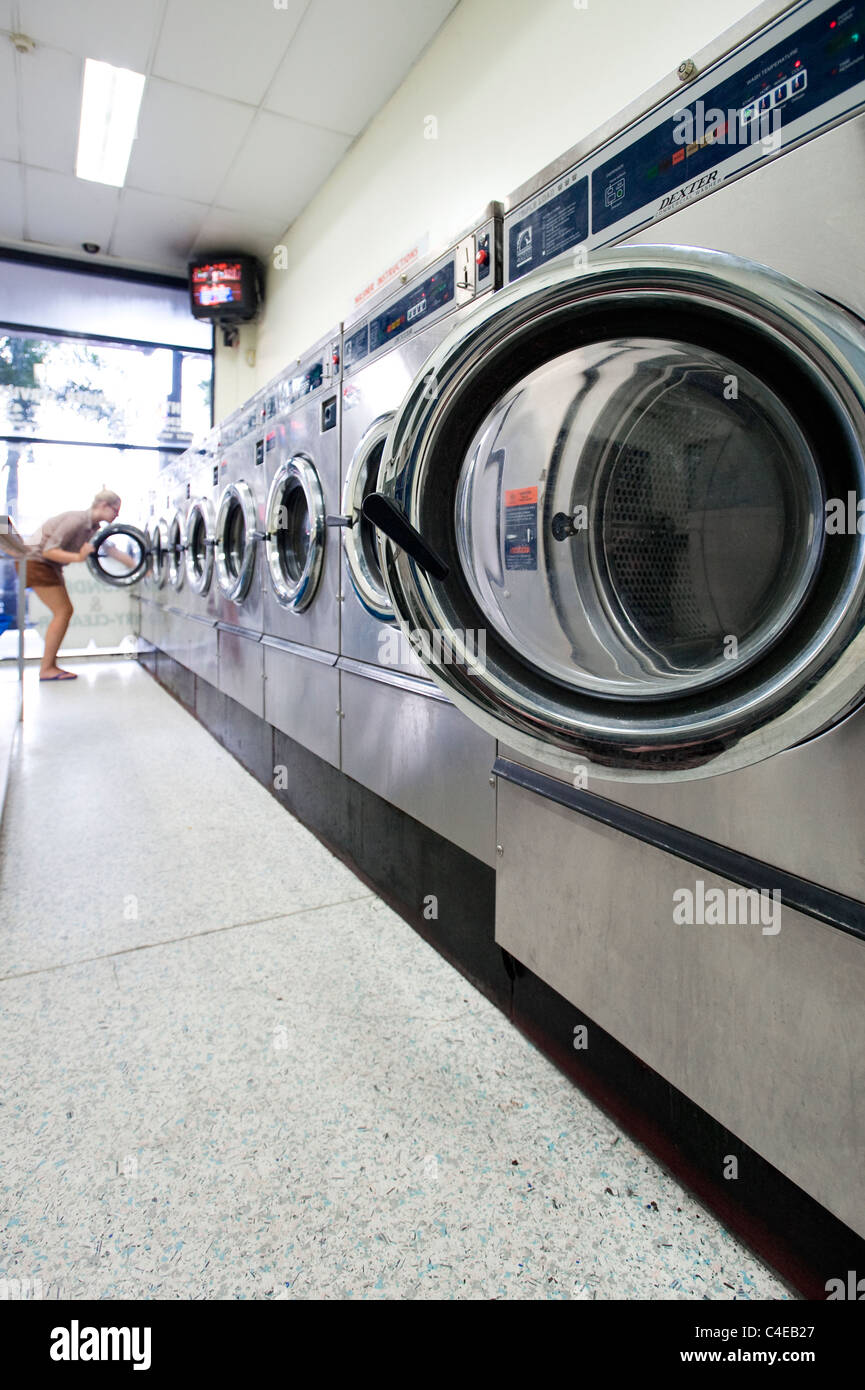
[[399, 737], [200, 581], [641, 475], [299, 440], [155, 589], [239, 529], [200, 525], [178, 503]]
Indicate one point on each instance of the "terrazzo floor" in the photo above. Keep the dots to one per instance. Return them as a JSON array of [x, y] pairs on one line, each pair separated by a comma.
[[231, 1072]]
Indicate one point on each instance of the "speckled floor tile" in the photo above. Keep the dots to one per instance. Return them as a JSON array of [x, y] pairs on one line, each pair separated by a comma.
[[313, 1106], [127, 824]]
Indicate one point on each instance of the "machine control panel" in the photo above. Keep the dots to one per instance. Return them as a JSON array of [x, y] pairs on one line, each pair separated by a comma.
[[427, 299], [803, 71], [420, 304]]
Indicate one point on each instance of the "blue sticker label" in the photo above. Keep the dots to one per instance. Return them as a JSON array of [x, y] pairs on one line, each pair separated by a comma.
[[561, 223]]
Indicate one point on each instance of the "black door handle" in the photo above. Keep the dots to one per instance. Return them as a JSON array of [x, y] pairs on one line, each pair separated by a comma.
[[386, 516]]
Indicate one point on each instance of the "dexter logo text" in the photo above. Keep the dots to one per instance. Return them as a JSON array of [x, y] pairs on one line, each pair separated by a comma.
[[75, 1343]]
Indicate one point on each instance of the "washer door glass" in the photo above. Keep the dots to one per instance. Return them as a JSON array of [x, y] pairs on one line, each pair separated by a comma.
[[640, 517], [159, 554], [361, 546], [199, 547], [120, 555], [176, 548], [296, 528], [235, 541]]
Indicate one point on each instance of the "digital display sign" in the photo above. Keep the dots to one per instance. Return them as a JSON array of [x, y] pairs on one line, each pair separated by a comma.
[[414, 308], [220, 283], [224, 289]]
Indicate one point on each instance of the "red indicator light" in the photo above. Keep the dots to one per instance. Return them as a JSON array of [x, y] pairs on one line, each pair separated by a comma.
[[798, 63], [833, 23]]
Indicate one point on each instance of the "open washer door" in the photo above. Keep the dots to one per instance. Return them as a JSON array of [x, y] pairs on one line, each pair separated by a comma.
[[618, 534], [120, 555], [361, 549]]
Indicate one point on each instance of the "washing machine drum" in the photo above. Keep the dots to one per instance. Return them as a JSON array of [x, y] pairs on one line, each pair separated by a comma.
[[236, 536], [635, 478]]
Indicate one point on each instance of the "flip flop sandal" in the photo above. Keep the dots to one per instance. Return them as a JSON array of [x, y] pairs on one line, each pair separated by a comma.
[[66, 676]]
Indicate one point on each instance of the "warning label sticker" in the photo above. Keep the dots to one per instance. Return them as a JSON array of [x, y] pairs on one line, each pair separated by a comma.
[[521, 528]]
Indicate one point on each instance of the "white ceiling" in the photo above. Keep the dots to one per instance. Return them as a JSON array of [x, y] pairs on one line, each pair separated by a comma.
[[247, 108]]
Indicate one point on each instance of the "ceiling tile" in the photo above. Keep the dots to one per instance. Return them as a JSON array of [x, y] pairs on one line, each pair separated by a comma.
[[5, 14], [158, 230], [224, 230], [51, 108], [349, 57], [64, 211], [122, 34], [8, 104], [11, 201], [186, 141], [222, 46], [280, 166]]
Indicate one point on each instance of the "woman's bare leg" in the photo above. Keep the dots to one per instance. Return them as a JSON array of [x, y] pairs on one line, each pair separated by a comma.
[[57, 599]]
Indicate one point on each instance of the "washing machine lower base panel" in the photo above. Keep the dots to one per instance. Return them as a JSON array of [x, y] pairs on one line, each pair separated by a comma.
[[750, 1007], [404, 862]]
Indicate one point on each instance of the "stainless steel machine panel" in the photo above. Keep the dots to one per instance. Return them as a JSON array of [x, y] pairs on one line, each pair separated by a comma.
[[301, 696], [176, 635], [765, 1031], [241, 668], [148, 620], [419, 753], [301, 553], [240, 519], [383, 350], [203, 648], [157, 625]]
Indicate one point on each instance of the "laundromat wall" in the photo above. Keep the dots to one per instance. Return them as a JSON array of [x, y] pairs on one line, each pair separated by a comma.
[[503, 88]]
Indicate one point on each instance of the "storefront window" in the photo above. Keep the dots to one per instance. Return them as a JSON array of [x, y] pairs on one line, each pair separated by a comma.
[[77, 389], [114, 382]]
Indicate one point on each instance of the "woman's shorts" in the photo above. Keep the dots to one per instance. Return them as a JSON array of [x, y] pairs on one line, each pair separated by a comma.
[[43, 576]]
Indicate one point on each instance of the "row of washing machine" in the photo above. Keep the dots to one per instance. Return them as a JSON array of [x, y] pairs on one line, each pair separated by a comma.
[[264, 576], [619, 468]]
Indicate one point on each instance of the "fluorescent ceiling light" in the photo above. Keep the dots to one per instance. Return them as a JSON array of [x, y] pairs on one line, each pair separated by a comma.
[[109, 116]]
